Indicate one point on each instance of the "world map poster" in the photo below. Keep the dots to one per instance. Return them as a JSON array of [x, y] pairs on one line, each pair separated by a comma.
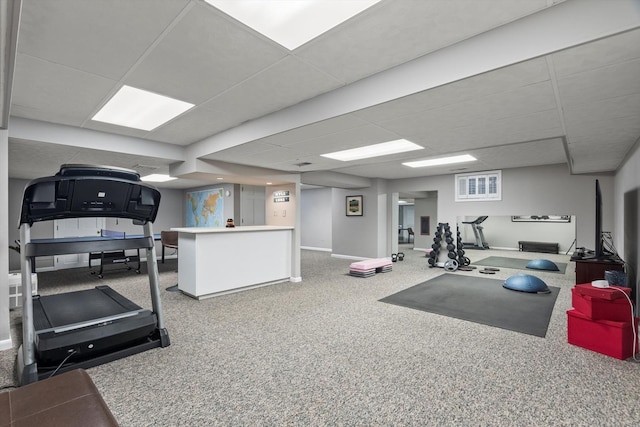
[[205, 208]]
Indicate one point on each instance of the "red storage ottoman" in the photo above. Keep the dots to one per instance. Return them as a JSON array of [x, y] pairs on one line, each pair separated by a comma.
[[594, 308], [610, 293], [608, 337]]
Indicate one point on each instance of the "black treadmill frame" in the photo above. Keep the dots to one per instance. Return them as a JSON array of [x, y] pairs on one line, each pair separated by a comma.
[[52, 198]]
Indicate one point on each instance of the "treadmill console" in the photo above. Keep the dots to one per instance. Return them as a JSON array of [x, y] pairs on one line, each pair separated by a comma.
[[90, 191]]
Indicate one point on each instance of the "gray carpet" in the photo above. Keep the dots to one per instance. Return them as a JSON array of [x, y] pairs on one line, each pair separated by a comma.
[[517, 263], [480, 300], [325, 352]]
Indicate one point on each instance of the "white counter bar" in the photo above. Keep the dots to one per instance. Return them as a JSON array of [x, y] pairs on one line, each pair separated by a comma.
[[221, 260]]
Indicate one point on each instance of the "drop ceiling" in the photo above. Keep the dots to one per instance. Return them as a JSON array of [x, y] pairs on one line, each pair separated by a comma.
[[264, 111]]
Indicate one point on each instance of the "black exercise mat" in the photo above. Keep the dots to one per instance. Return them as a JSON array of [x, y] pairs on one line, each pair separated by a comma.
[[480, 300], [517, 263]]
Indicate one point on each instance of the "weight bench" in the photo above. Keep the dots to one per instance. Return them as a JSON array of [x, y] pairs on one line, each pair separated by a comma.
[[70, 399], [545, 247], [114, 257]]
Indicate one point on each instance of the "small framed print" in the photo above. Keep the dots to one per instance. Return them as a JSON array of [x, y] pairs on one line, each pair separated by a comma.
[[354, 206], [424, 225]]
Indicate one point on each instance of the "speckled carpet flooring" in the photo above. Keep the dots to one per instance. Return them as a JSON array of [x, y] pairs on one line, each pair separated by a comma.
[[326, 352]]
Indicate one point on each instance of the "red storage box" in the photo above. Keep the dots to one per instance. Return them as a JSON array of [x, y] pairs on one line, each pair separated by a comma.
[[611, 338], [603, 293], [618, 310]]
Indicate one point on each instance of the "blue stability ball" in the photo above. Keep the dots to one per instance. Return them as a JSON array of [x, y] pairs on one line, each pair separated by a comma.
[[542, 264], [526, 283]]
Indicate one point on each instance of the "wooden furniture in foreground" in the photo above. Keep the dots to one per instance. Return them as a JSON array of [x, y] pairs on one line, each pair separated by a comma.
[[588, 270], [70, 399]]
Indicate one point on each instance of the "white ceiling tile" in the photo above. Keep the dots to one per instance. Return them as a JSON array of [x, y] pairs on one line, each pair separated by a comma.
[[602, 53], [602, 83], [203, 55], [52, 92], [408, 29], [102, 37]]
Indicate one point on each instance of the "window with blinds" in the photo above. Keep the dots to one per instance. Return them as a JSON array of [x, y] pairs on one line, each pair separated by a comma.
[[479, 186]]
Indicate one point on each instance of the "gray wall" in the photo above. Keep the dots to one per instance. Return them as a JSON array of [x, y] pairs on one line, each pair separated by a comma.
[[425, 207], [315, 217], [527, 191], [501, 232], [355, 236], [626, 231]]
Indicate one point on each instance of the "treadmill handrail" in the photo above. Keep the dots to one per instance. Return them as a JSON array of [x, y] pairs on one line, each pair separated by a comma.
[[49, 247]]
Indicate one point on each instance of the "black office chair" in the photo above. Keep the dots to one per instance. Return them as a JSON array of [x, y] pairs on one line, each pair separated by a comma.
[[169, 240]]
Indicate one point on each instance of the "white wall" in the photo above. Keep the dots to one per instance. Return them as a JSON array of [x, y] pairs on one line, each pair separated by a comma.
[[501, 232], [626, 230], [315, 216], [527, 191], [281, 213], [5, 332]]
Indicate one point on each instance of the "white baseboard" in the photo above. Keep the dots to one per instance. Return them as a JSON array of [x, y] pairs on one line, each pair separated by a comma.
[[357, 258], [295, 279], [6, 344], [312, 248]]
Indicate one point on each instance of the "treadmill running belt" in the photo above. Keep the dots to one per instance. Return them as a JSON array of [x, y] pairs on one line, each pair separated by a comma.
[[83, 306]]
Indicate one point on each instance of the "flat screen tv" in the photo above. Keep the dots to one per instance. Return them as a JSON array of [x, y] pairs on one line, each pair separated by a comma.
[[599, 250]]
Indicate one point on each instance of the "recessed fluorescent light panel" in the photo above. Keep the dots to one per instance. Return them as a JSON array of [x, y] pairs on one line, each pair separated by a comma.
[[139, 109], [155, 177], [376, 150], [292, 23], [440, 161]]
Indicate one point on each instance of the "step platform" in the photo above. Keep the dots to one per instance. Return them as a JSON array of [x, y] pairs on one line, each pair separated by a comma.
[[370, 267]]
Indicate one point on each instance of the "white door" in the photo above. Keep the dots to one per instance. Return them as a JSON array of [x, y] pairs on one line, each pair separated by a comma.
[[252, 205], [75, 227]]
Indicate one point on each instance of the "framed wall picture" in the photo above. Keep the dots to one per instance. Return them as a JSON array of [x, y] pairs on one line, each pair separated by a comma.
[[424, 225], [354, 206]]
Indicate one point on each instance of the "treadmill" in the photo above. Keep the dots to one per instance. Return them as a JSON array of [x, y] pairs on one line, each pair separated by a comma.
[[478, 234], [90, 327]]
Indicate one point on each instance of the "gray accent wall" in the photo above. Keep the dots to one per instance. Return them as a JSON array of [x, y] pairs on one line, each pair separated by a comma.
[[425, 207], [315, 218], [501, 232], [626, 229], [355, 236], [527, 191]]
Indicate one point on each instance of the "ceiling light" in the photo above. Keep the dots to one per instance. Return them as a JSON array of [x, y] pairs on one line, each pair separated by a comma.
[[292, 23], [440, 161], [155, 177], [139, 109], [376, 150]]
